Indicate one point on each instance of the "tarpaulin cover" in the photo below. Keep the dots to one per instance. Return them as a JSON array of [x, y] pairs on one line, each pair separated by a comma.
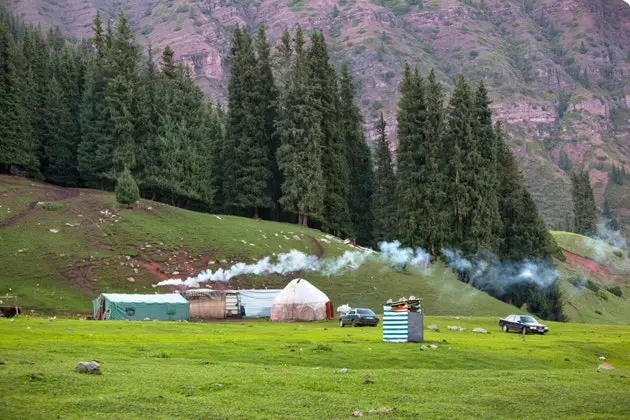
[[299, 301], [257, 303], [171, 306]]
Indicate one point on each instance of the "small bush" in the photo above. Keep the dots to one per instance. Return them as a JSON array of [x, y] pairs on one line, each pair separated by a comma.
[[146, 30], [591, 285], [177, 28], [50, 206], [616, 290], [473, 54], [182, 8], [323, 347], [598, 312], [160, 355], [618, 253], [602, 295]]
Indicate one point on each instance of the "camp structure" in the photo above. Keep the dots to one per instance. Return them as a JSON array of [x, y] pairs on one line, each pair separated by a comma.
[[163, 307], [301, 301], [208, 304], [257, 302]]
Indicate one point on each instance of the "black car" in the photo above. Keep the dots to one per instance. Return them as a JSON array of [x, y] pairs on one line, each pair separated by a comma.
[[523, 324], [358, 317]]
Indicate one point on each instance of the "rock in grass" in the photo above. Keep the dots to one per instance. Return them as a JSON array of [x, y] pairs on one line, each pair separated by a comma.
[[433, 346], [382, 410], [433, 327], [343, 370], [480, 330], [605, 366], [91, 367], [357, 414], [37, 377], [3, 362]]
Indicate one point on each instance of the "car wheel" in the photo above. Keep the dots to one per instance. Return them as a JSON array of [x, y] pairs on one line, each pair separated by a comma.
[[373, 325], [341, 323], [354, 324], [505, 328]]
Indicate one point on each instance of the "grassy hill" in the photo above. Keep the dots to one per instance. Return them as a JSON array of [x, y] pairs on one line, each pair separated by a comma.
[[593, 268], [260, 369], [60, 247]]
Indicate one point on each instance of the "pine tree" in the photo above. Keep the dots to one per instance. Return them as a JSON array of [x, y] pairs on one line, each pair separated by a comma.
[[524, 234], [149, 121], [59, 145], [123, 63], [435, 223], [359, 161], [323, 83], [127, 191], [168, 62], [299, 155], [248, 171], [610, 219], [485, 219], [15, 144], [564, 162], [458, 144], [94, 155], [384, 199], [267, 96], [584, 210], [411, 172]]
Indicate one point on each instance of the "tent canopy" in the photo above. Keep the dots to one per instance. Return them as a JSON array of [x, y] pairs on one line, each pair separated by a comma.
[[258, 303], [170, 306], [300, 301]]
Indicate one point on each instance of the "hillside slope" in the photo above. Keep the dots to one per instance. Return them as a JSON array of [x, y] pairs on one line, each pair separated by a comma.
[[557, 70], [60, 247], [591, 270]]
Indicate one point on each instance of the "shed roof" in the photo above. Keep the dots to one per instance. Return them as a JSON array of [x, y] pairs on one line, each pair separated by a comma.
[[136, 298]]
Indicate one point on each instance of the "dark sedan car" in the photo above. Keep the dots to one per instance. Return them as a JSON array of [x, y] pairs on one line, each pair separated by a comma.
[[358, 317], [523, 324]]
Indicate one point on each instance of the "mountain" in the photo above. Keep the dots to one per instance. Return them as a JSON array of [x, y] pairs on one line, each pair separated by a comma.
[[557, 70]]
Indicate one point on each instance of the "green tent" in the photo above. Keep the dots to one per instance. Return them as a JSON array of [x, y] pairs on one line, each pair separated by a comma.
[[165, 307]]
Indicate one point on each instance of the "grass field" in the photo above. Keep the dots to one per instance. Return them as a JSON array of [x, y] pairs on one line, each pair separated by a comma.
[[270, 370]]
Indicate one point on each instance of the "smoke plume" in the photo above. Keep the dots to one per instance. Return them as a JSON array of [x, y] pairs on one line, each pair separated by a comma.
[[488, 273], [610, 236], [294, 260]]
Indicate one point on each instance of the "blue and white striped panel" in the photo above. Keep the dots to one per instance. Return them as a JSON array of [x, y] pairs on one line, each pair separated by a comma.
[[395, 325]]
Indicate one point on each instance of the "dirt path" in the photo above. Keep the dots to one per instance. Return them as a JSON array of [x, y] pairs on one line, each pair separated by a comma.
[[52, 194], [319, 248]]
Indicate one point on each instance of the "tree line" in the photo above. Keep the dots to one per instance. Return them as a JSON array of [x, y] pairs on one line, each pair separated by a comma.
[[290, 147]]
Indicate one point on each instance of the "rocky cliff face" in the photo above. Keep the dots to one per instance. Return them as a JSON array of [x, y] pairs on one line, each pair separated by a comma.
[[558, 70]]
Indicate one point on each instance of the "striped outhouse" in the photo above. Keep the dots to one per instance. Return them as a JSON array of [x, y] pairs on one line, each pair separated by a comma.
[[395, 325]]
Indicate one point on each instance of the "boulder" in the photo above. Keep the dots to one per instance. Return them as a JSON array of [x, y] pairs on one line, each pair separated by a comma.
[[92, 367], [480, 330], [343, 370], [433, 327]]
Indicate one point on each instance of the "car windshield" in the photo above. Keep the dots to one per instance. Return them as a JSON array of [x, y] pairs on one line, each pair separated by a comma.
[[365, 312], [528, 319]]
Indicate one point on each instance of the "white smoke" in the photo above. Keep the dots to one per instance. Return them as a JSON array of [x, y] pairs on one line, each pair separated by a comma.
[[610, 236], [294, 260], [488, 273]]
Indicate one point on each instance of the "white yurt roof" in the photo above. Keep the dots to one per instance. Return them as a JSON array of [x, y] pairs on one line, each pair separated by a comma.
[[300, 291]]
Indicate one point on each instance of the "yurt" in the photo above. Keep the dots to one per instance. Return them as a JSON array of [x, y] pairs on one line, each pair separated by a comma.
[[301, 301]]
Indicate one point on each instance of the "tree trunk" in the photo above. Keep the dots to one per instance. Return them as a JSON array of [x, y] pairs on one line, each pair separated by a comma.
[[256, 213], [305, 220], [300, 219]]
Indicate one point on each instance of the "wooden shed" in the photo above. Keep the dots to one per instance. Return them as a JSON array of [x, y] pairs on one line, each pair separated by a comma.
[[212, 304]]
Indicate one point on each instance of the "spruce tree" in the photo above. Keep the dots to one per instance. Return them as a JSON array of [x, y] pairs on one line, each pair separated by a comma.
[[168, 62], [123, 64], [323, 82], [584, 209], [267, 96], [94, 155], [384, 198], [485, 219], [411, 165], [247, 167], [610, 219], [359, 161], [458, 144], [435, 223], [524, 234], [299, 155], [127, 191], [15, 144]]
